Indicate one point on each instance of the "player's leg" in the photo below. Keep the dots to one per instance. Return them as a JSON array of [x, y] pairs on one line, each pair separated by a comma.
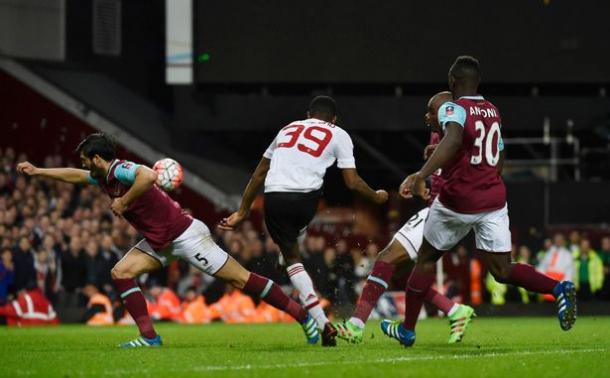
[[493, 236], [376, 284], [124, 274], [443, 229], [287, 216], [197, 247]]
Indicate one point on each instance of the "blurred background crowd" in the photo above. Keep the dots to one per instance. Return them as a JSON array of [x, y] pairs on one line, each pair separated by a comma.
[[62, 240]]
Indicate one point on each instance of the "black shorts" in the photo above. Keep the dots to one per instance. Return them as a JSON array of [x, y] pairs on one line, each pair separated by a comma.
[[287, 215]]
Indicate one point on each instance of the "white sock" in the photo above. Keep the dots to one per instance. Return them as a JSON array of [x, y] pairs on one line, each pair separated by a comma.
[[357, 322], [302, 282], [453, 309]]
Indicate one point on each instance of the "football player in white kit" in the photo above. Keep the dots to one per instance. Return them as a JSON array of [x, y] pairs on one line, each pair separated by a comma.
[[292, 170], [403, 250]]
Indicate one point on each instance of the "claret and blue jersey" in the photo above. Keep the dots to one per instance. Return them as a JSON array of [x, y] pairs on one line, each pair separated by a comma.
[[473, 184], [154, 214], [125, 174]]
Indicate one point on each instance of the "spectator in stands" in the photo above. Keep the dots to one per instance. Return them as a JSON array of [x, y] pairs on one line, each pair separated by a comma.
[[546, 246], [7, 275], [74, 266], [194, 308], [588, 272], [575, 238], [45, 274], [344, 271], [193, 279], [456, 264], [99, 307], [23, 261], [108, 256], [164, 305], [557, 262], [30, 307], [604, 255]]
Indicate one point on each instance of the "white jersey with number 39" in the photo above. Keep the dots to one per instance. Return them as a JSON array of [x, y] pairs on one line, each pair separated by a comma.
[[302, 151]]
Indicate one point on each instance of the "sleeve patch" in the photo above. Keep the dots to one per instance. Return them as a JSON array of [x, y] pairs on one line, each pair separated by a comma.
[[451, 112]]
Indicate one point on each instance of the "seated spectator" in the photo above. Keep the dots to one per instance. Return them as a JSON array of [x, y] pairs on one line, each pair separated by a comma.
[[30, 307], [164, 305], [233, 307], [194, 309], [588, 272], [99, 308]]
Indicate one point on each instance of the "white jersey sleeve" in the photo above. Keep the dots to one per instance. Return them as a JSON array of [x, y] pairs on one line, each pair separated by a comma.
[[271, 149], [344, 151]]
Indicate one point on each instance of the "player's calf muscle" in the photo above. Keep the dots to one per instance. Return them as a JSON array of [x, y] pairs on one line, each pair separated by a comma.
[[234, 274]]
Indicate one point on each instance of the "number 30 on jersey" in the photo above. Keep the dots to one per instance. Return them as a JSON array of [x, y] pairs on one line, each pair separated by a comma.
[[484, 144]]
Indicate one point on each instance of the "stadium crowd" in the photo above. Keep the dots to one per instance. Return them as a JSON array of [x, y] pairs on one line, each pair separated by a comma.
[[58, 242]]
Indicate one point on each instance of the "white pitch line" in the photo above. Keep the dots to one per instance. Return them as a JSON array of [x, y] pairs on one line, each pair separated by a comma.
[[390, 360]]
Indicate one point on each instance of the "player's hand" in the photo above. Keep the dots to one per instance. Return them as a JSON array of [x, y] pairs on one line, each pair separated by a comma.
[[404, 189], [118, 207], [231, 222], [27, 168], [381, 196], [417, 187], [429, 150]]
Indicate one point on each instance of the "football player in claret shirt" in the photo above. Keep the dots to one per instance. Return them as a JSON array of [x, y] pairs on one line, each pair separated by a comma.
[[403, 250], [169, 233], [292, 170], [473, 197]]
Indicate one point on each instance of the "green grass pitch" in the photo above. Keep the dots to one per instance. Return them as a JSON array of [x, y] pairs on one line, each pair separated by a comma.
[[494, 347]]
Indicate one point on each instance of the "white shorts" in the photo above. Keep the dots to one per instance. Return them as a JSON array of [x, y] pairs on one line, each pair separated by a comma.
[[445, 228], [195, 245], [410, 235]]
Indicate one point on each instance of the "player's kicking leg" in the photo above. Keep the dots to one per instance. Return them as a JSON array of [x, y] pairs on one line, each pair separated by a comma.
[[270, 292], [401, 250], [197, 247], [287, 216], [460, 316], [301, 280], [124, 274]]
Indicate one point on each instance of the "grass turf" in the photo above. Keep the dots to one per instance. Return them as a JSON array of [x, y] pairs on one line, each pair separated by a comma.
[[504, 347]]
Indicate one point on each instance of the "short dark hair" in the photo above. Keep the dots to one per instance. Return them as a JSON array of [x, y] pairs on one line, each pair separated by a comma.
[[97, 144], [323, 105], [466, 68]]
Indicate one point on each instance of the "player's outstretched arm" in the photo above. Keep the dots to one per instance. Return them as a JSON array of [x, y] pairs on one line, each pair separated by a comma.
[[144, 179], [254, 186], [71, 175], [355, 183]]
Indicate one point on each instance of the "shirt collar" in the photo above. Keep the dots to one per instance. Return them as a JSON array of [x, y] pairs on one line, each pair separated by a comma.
[[114, 162], [477, 97]]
